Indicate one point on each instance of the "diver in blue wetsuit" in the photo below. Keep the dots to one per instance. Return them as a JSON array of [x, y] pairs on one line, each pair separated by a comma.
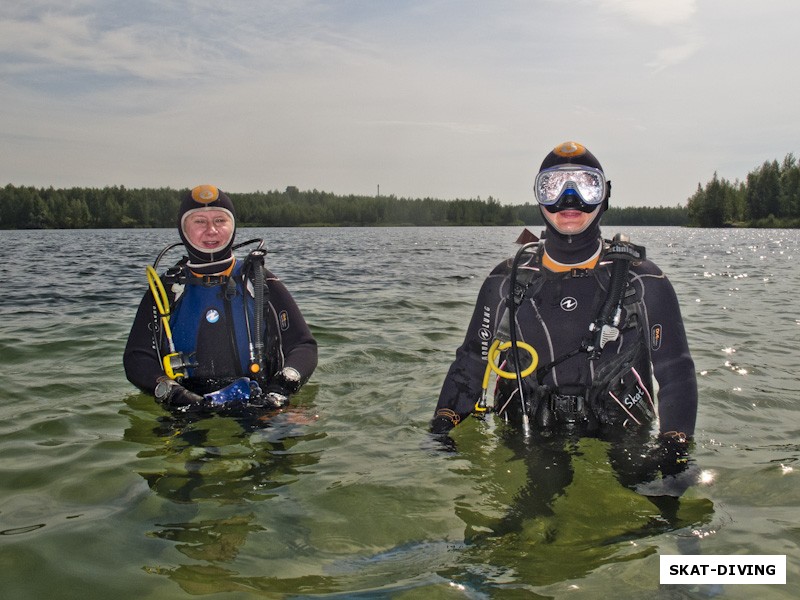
[[216, 331], [586, 324]]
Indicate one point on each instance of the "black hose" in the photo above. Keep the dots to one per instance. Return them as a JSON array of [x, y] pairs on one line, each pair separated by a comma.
[[258, 312], [248, 242], [254, 267], [512, 318], [163, 252], [619, 277]]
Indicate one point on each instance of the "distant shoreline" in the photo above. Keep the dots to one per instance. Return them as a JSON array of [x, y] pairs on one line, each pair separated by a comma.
[[122, 208]]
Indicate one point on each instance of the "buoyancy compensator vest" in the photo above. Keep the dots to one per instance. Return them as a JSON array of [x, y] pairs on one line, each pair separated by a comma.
[[614, 389], [218, 323]]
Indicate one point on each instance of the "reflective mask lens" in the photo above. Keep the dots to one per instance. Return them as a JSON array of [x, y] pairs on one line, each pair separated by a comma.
[[588, 183]]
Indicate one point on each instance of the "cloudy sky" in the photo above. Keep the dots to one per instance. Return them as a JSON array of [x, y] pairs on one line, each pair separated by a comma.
[[441, 98]]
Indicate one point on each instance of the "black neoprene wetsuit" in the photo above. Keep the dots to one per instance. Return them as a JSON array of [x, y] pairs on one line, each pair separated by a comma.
[[555, 317]]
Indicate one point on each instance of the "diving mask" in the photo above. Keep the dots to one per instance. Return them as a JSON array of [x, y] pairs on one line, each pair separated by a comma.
[[587, 183]]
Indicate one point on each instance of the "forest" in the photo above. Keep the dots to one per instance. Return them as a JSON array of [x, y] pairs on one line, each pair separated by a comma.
[[769, 197], [118, 207]]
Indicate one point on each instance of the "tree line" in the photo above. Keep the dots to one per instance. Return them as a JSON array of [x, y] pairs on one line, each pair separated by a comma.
[[24, 207], [769, 197]]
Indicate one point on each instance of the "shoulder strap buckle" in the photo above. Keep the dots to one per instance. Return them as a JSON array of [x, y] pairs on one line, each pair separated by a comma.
[[621, 248]]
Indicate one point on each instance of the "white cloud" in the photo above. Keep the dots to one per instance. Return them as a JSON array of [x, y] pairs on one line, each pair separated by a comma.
[[56, 42], [673, 55], [652, 12], [425, 98]]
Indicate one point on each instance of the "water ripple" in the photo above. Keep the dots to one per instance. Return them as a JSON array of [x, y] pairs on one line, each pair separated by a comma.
[[345, 493]]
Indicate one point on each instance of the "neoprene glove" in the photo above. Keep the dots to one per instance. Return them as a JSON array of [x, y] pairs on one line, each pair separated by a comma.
[[182, 399], [443, 421], [282, 385], [671, 453], [174, 396], [670, 457], [276, 395]]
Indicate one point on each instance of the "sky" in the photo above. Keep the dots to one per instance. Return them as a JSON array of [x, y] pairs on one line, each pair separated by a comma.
[[432, 98]]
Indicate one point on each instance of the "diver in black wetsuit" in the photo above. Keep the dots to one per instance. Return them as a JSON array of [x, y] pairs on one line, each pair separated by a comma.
[[599, 339], [217, 330]]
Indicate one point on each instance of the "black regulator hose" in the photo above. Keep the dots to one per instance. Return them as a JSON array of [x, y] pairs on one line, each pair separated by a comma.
[[621, 252], [512, 302], [256, 259], [258, 316], [163, 252], [619, 279], [253, 268]]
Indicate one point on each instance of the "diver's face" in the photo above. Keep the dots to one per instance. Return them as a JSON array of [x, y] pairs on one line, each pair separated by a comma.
[[208, 230], [570, 221]]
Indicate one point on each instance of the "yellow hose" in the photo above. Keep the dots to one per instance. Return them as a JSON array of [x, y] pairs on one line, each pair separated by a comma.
[[494, 351], [497, 347], [162, 304]]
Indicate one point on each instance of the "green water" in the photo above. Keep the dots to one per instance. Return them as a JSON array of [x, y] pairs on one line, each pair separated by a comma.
[[104, 495]]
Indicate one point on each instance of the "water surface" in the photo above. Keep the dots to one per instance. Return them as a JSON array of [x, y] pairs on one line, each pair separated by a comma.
[[104, 495]]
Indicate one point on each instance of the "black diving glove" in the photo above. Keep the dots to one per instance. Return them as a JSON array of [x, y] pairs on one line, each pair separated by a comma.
[[671, 453], [670, 457], [174, 396], [443, 421], [282, 385], [274, 398]]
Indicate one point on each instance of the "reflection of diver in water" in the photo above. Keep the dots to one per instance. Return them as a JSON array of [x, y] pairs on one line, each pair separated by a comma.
[[632, 460], [579, 326], [243, 456], [213, 475], [554, 509]]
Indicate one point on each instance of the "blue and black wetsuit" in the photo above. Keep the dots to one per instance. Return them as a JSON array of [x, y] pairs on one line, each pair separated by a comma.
[[208, 322]]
